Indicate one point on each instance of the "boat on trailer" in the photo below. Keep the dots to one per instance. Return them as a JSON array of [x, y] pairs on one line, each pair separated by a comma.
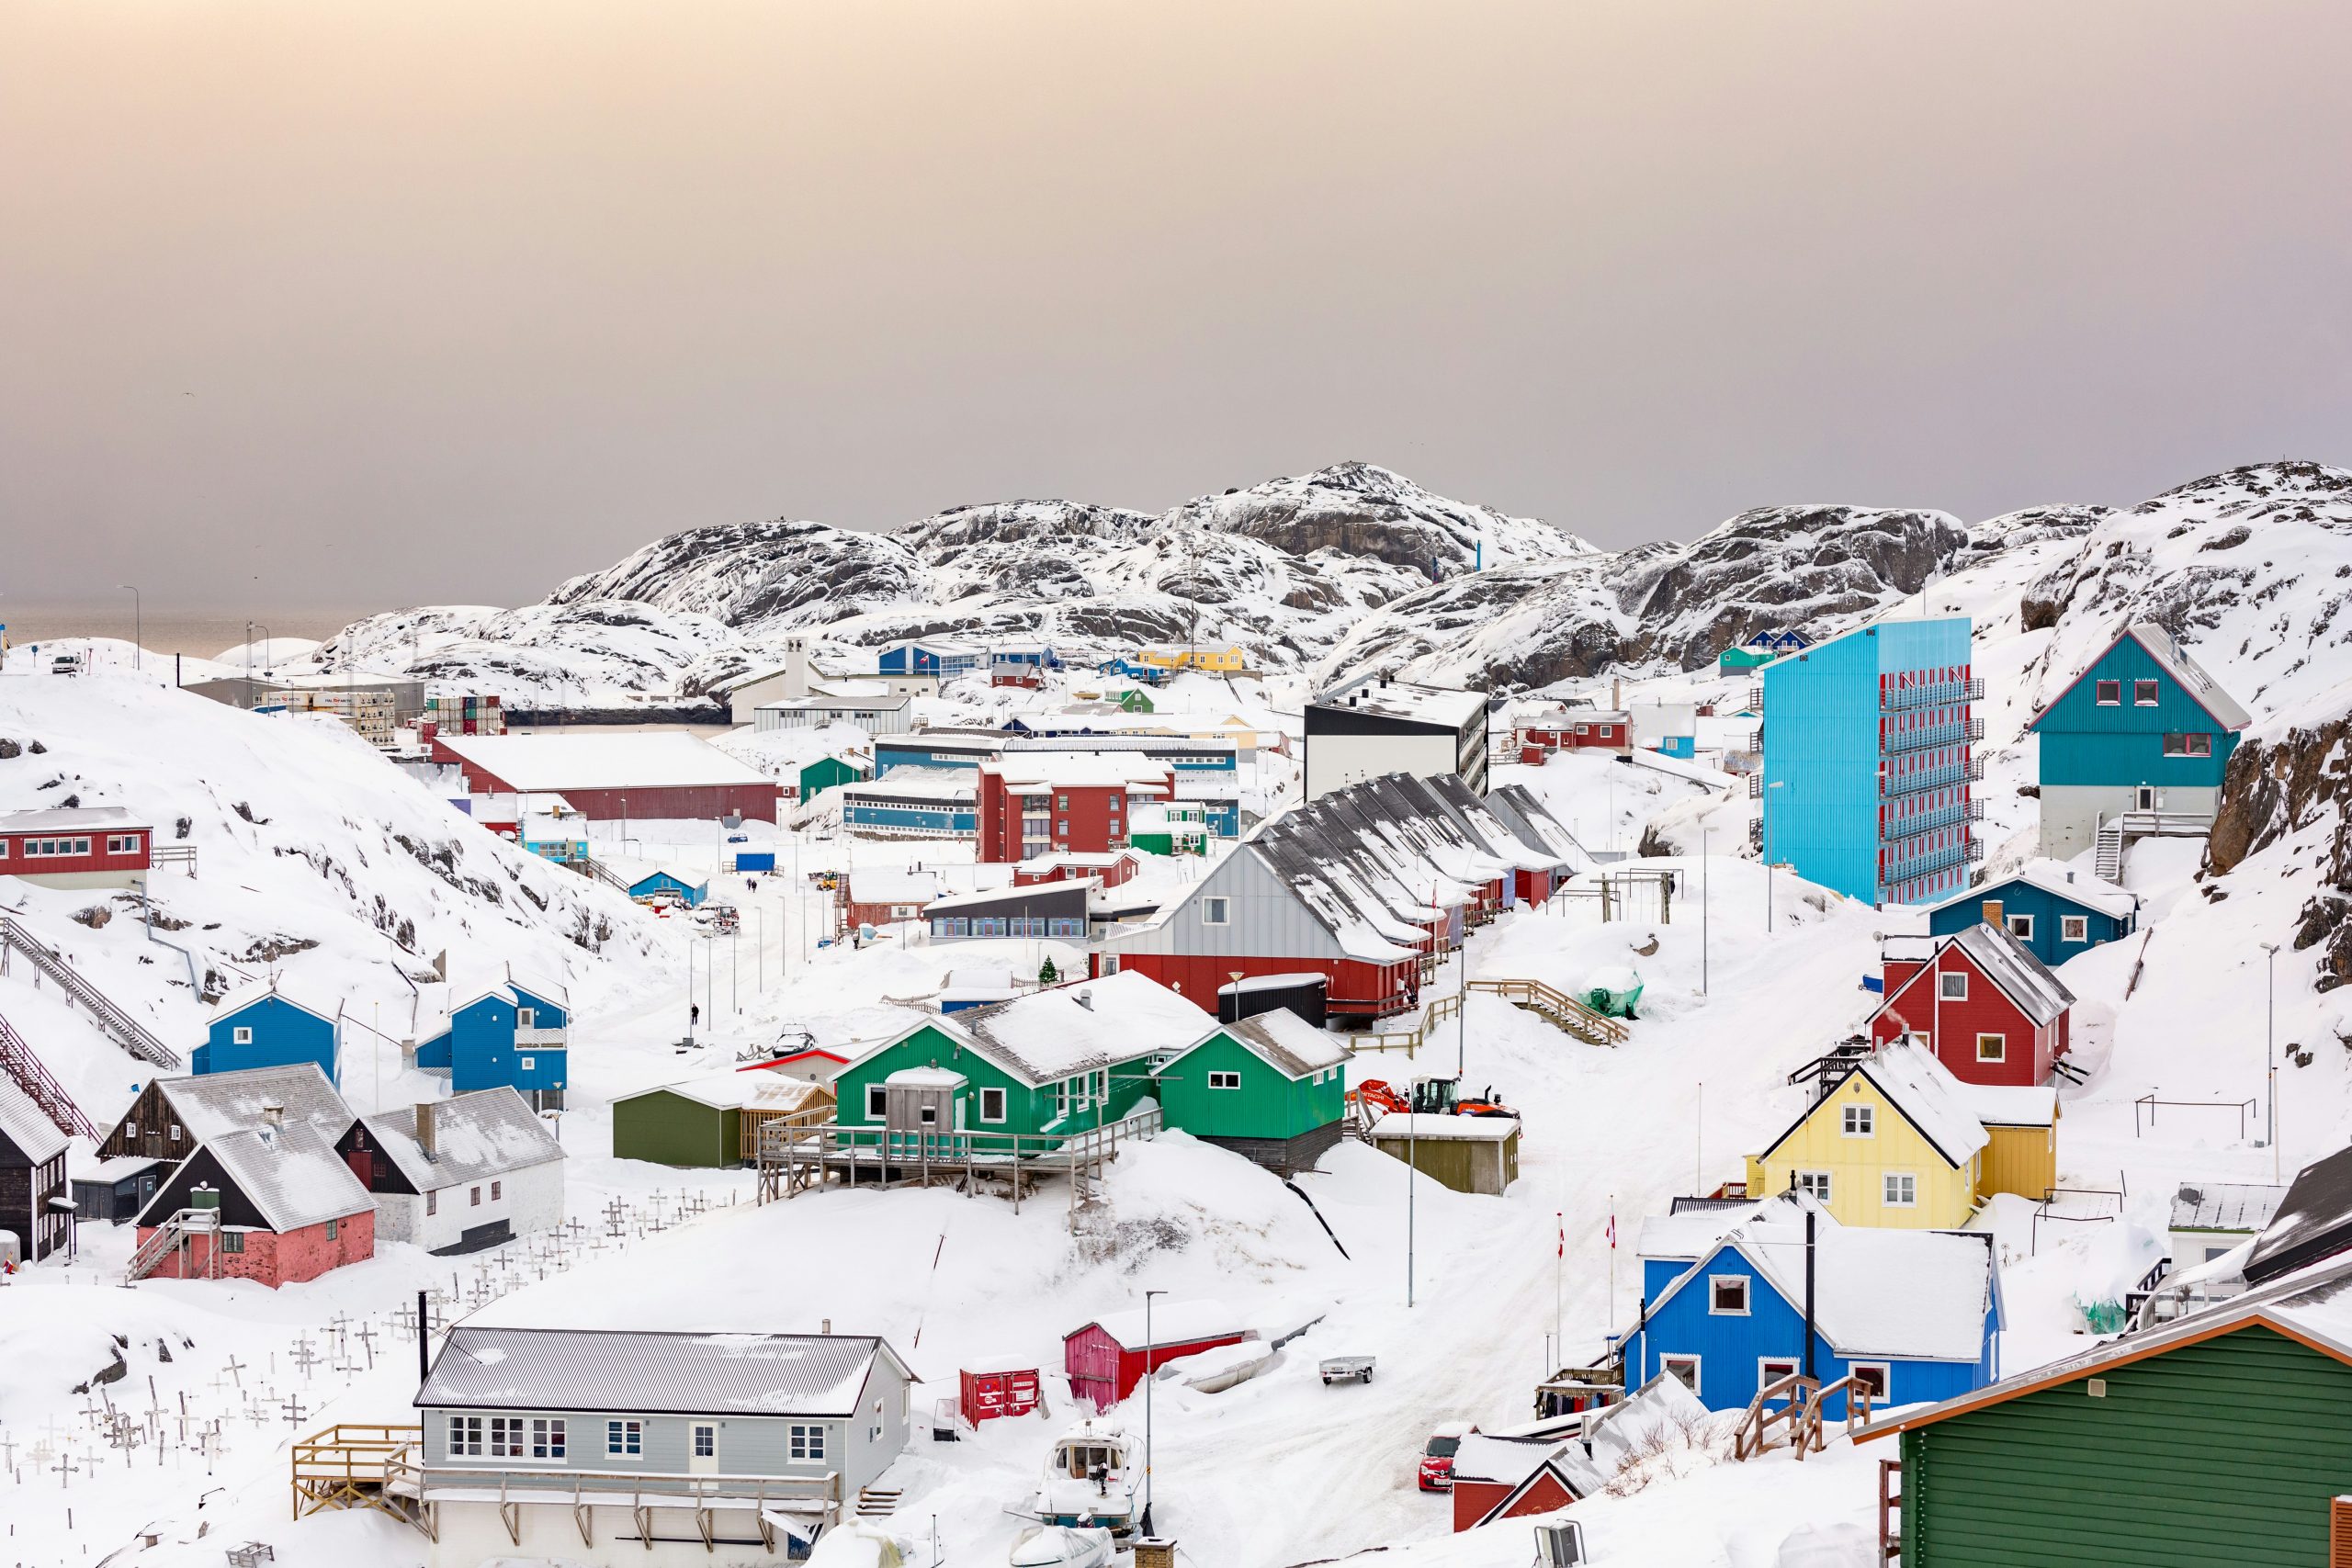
[[1091, 1477]]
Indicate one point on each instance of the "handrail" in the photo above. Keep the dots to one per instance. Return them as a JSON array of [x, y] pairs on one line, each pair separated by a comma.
[[1571, 1014], [1753, 1435], [126, 1031], [17, 1059]]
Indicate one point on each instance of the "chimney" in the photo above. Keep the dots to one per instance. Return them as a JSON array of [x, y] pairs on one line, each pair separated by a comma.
[[795, 667], [1993, 912], [1616, 692], [824, 1326], [1810, 1216], [428, 1139], [1086, 1001], [272, 1116]]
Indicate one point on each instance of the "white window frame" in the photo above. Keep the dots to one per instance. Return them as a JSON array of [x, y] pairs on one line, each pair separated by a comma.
[[241, 1034], [1816, 1182], [1665, 1363], [2002, 1055], [995, 1097], [1217, 910], [2074, 927], [1746, 1306], [1885, 1371], [2020, 926], [1764, 1365], [1222, 1079], [805, 1444], [527, 1064], [1860, 1122], [508, 1437], [1952, 985], [548, 1440], [465, 1436], [877, 1102], [1886, 1188], [624, 1438]]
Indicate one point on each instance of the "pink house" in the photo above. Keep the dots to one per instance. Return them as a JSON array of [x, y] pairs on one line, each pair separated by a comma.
[[273, 1203]]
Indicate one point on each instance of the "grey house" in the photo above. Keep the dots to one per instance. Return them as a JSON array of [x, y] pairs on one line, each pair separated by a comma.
[[596, 1447]]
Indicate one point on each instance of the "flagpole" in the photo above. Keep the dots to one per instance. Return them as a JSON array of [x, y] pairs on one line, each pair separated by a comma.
[[1560, 1267], [1611, 1317]]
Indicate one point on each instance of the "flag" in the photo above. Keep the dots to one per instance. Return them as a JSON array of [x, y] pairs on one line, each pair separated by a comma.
[[1561, 1221], [1612, 1233]]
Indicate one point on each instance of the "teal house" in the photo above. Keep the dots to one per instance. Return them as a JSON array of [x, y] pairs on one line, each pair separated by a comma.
[[823, 773], [2142, 728], [1272, 1087], [261, 1026], [2057, 910], [688, 888]]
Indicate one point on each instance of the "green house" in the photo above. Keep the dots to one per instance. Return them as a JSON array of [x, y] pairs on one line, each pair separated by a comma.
[[1135, 699], [2222, 1437], [702, 1122], [1033, 1070], [1272, 1087], [825, 771]]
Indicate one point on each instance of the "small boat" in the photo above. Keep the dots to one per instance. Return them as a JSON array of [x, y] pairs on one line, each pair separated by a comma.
[[1059, 1546], [1091, 1478]]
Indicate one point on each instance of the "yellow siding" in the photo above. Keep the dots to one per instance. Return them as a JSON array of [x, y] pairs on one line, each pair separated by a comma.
[[2023, 1160], [1857, 1165]]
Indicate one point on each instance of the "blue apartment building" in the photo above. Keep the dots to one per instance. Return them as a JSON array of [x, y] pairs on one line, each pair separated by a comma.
[[1869, 761]]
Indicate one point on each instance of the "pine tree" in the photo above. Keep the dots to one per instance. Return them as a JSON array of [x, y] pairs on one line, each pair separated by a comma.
[[1046, 973]]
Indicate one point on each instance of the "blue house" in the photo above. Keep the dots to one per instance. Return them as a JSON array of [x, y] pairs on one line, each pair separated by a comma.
[[261, 1026], [923, 655], [2142, 728], [514, 1033], [2054, 910], [1868, 762], [1724, 1306], [670, 886]]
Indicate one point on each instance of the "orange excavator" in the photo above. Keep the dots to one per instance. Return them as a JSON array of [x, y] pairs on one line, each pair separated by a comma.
[[1428, 1096]]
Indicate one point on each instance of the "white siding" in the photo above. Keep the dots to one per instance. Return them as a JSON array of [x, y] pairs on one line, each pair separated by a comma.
[[530, 1198], [1334, 762]]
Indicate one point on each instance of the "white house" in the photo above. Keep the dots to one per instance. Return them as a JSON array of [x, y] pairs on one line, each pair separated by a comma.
[[460, 1173]]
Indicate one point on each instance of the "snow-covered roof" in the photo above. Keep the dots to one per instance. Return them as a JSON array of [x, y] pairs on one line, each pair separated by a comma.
[[2314, 1218], [761, 1089], [1460, 1129], [2000, 956], [2174, 661], [1505, 1462], [1283, 1039], [70, 819], [1930, 1097], [634, 760], [1248, 983], [291, 1173], [245, 995], [1079, 770], [916, 783], [877, 701], [1077, 860], [1173, 1323], [2058, 878], [927, 1078], [25, 1124], [2225, 1206], [1053, 1033], [483, 1133], [1691, 1231], [1404, 700], [684, 875], [682, 1374], [1008, 895], [892, 885], [2010, 1105], [216, 1103]]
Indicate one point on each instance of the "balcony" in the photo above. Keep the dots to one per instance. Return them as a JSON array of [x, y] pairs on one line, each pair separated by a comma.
[[1890, 787], [1942, 695], [1911, 868], [539, 1039], [1952, 815], [1952, 734]]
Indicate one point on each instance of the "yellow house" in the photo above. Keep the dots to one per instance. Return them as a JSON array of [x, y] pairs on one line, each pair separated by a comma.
[[1226, 661], [1901, 1142]]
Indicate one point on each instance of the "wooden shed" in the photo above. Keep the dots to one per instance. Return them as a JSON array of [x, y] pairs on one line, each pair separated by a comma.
[[1469, 1153], [1108, 1357], [711, 1121]]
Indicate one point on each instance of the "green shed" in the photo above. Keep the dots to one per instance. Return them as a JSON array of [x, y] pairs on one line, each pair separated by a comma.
[[701, 1120], [2223, 1437], [825, 771], [1271, 1087]]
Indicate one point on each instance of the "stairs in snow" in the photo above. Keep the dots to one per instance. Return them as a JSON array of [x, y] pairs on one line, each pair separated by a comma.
[[17, 1059], [113, 1023], [877, 1501]]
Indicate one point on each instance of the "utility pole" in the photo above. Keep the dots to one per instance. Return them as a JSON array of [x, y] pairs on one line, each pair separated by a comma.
[[1703, 911], [1143, 1518], [1412, 1176]]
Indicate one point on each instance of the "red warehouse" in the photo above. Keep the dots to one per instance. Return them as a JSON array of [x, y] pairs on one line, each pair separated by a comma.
[[88, 846], [607, 778], [1990, 1010], [273, 1203], [1106, 1358], [1042, 803]]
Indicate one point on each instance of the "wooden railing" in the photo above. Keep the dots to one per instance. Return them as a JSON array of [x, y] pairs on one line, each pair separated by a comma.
[[349, 1465], [1808, 1400], [1559, 1008], [757, 1120]]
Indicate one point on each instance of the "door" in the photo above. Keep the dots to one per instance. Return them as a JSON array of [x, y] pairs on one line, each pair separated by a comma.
[[702, 1447], [2144, 798]]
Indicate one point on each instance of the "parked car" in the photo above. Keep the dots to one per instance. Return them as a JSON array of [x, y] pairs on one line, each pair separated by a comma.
[[65, 664], [1436, 1470]]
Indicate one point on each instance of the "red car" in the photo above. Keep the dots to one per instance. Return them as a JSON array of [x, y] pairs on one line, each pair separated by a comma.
[[1435, 1472]]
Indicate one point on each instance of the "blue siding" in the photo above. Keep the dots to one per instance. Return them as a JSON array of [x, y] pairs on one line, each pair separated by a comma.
[[957, 818], [483, 1053], [2122, 744], [435, 1052], [1730, 1345], [661, 881], [2044, 907], [283, 1034]]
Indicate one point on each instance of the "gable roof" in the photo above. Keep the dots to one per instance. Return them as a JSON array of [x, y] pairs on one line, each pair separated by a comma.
[[487, 1131], [24, 1123], [2313, 1220], [1173, 1323], [1578, 1477], [215, 1103], [660, 1373], [1492, 1458], [246, 996], [2174, 661], [1051, 1034], [1281, 1039], [291, 1173], [2002, 959], [758, 1087], [2313, 1307], [2060, 881], [1922, 1091]]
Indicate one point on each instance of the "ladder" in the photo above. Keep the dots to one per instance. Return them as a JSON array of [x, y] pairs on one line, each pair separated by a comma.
[[17, 1059], [113, 1023], [2109, 864], [178, 1234]]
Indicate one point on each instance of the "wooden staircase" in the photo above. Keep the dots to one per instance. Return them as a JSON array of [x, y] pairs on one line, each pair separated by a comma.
[[116, 1024], [17, 1059], [1559, 1009], [1800, 1415], [877, 1501], [178, 1234]]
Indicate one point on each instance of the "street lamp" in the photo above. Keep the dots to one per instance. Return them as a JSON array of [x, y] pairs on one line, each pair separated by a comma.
[[138, 628], [1776, 784], [1143, 1520], [2270, 1046]]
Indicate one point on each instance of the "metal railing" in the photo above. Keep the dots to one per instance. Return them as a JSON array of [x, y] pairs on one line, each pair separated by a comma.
[[17, 1059], [1951, 816], [583, 1490], [1958, 732], [116, 1024], [1943, 694], [1890, 785]]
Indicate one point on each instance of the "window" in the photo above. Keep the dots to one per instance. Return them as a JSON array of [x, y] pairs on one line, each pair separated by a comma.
[[877, 1102], [2020, 926], [497, 1191], [706, 1442], [2188, 745], [122, 843], [465, 1436], [335, 1228], [506, 1437], [1683, 1369], [1727, 1294], [1860, 1120], [2143, 694], [522, 1017], [233, 1241], [2074, 927], [1902, 1189], [2111, 693], [175, 1132], [527, 1062], [1991, 1047], [807, 1442], [242, 1035], [433, 1203], [130, 1130], [991, 1105], [1771, 1370], [476, 1196], [1953, 988], [1814, 1184], [547, 1437], [1216, 911], [1872, 1377], [1061, 803], [625, 1439], [1225, 1080]]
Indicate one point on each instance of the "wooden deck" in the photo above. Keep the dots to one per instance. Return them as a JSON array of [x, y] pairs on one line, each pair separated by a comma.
[[797, 1156], [351, 1466]]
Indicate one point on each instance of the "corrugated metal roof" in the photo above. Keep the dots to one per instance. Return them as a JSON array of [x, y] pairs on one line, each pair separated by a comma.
[[2224, 1206], [2013, 967], [682, 1374], [1289, 1042], [28, 1127], [485, 1133], [216, 1103]]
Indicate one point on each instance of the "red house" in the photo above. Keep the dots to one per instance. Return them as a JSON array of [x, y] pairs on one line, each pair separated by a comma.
[[1572, 729], [1506, 1478], [1034, 803], [1107, 1358], [85, 846], [273, 1203], [1113, 868], [1990, 1010]]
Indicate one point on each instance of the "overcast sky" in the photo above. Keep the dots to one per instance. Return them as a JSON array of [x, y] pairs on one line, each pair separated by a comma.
[[332, 302]]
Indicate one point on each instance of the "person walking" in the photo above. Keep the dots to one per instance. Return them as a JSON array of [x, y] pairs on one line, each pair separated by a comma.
[[694, 1014]]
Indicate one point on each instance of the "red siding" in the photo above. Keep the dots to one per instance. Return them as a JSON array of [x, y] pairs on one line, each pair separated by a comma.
[[274, 1259], [18, 863], [1103, 1372], [1473, 1498], [1951, 1027], [1357, 990], [987, 1396], [1084, 819], [1545, 1496]]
